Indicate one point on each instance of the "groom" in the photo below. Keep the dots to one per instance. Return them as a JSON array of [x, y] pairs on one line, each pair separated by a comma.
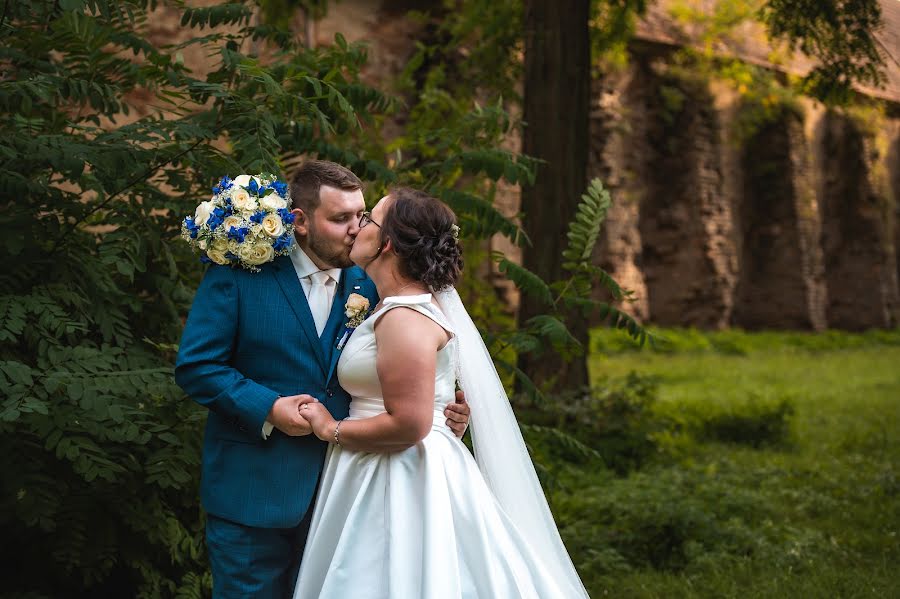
[[256, 347]]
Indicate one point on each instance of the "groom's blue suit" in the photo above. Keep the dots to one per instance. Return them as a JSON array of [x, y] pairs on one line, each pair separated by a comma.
[[250, 338]]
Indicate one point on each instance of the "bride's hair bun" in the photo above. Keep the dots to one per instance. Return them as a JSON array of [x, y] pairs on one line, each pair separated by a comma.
[[423, 233]]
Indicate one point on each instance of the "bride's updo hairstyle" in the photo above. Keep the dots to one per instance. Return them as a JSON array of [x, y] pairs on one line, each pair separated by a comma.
[[424, 235]]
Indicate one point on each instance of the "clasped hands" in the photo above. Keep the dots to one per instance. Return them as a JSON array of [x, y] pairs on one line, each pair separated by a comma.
[[299, 415]]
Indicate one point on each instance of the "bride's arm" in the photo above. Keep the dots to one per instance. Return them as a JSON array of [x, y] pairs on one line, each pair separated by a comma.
[[407, 354]]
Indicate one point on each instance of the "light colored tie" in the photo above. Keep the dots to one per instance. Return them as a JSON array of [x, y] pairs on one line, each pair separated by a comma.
[[319, 300]]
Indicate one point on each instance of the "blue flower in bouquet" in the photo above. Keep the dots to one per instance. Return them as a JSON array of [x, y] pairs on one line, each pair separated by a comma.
[[238, 233], [192, 228], [286, 216], [246, 223], [216, 218], [283, 242], [224, 184], [280, 188]]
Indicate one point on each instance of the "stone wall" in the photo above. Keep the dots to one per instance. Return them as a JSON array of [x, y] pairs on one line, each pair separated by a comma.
[[794, 226], [790, 226], [857, 239]]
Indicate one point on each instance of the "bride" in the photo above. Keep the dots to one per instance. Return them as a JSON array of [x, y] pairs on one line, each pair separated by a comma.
[[404, 511]]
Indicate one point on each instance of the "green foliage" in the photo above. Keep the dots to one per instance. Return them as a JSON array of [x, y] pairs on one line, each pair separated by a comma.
[[756, 423], [739, 343], [577, 292], [612, 25], [840, 34], [713, 24], [569, 301], [99, 491], [280, 12], [811, 518], [614, 423]]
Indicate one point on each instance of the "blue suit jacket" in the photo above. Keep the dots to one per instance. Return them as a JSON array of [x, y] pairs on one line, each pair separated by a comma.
[[249, 338]]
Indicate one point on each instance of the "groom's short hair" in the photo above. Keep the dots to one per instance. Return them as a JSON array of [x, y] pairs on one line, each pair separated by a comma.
[[312, 175]]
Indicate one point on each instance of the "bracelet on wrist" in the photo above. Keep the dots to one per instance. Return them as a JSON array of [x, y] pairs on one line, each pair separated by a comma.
[[337, 433]]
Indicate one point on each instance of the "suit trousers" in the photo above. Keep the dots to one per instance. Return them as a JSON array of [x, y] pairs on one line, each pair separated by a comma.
[[247, 561]]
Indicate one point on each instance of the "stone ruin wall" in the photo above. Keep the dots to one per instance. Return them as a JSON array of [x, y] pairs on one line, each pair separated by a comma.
[[795, 227], [791, 228]]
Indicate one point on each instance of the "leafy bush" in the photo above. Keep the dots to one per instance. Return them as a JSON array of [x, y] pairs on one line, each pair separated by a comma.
[[665, 519], [99, 489], [756, 423], [613, 422]]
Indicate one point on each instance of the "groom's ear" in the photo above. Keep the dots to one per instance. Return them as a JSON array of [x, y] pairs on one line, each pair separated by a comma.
[[301, 222]]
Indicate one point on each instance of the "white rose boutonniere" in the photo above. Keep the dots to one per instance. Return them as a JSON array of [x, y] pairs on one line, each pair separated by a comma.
[[356, 309]]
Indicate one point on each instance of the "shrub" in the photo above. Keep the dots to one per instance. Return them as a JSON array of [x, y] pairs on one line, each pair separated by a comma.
[[756, 421], [666, 519], [614, 420]]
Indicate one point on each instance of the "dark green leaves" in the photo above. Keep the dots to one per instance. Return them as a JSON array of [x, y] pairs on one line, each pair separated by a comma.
[[102, 449], [235, 13], [585, 228], [839, 34]]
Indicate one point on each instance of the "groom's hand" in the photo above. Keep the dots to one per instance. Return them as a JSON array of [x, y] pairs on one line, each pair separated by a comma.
[[457, 414], [285, 415]]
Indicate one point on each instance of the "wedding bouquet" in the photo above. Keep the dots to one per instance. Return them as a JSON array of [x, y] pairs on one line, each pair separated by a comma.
[[247, 222]]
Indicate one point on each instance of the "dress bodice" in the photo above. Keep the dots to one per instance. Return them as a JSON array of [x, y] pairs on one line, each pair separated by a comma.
[[357, 370]]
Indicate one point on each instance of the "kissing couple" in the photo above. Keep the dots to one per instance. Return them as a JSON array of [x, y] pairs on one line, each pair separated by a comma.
[[332, 459]]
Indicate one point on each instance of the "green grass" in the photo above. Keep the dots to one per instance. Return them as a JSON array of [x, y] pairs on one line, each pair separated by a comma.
[[813, 513]]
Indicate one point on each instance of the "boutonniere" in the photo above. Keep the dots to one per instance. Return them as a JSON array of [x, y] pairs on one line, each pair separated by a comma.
[[356, 309]]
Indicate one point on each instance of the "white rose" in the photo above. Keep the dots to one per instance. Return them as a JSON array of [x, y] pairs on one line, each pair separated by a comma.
[[273, 202], [356, 304], [202, 244], [273, 226], [242, 180], [232, 221], [242, 200], [220, 245], [256, 254], [217, 256], [204, 210]]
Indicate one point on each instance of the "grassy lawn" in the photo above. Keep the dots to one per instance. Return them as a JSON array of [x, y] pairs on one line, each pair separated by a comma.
[[805, 504]]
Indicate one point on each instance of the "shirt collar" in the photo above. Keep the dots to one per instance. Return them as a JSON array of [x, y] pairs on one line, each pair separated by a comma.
[[304, 265]]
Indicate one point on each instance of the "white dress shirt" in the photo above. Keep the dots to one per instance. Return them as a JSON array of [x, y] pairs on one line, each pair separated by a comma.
[[304, 266]]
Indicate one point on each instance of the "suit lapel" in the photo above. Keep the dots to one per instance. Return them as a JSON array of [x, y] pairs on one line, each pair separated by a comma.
[[293, 291], [334, 317], [349, 284]]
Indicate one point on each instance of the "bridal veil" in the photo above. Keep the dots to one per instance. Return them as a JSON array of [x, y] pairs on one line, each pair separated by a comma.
[[500, 449]]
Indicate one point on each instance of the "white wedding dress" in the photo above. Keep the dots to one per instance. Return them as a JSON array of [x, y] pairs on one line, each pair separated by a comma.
[[420, 523]]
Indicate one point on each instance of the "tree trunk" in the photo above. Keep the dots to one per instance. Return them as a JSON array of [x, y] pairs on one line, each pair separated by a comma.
[[557, 94], [309, 27]]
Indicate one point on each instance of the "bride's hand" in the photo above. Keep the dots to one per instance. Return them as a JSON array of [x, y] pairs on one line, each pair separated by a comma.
[[320, 419]]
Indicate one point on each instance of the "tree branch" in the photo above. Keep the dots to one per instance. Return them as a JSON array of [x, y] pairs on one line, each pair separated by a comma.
[[143, 176]]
